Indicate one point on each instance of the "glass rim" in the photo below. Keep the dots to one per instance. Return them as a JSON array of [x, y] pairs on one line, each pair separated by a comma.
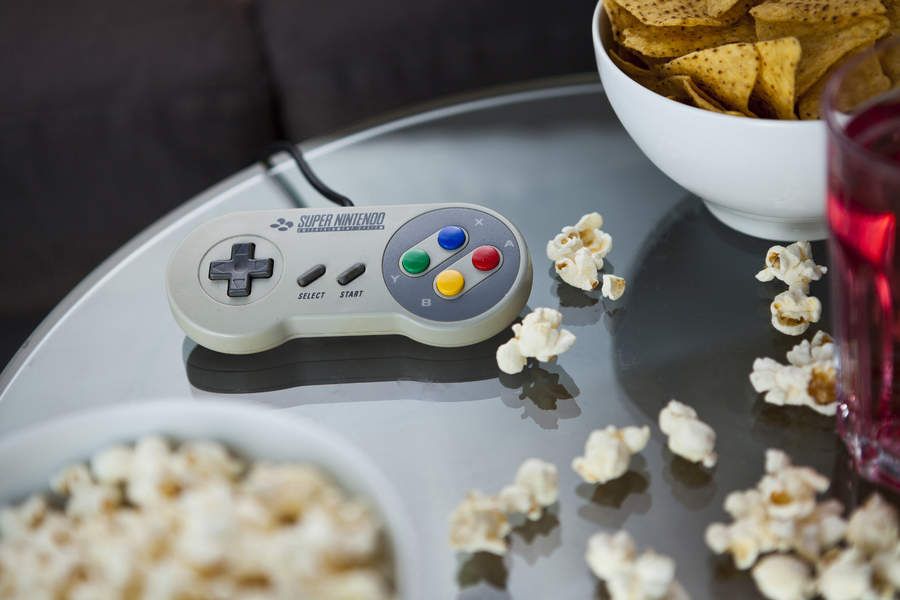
[[829, 110]]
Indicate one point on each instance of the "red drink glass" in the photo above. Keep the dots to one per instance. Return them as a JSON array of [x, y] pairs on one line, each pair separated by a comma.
[[863, 119]]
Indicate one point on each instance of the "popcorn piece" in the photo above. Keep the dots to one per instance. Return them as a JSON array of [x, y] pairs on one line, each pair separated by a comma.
[[202, 460], [809, 380], [806, 353], [783, 577], [844, 575], [887, 569], [613, 287], [780, 514], [790, 491], [578, 251], [650, 576], [536, 487], [86, 497], [579, 270], [113, 464], [479, 525], [608, 452], [794, 265], [793, 311], [873, 527], [509, 358], [539, 336], [152, 480], [689, 437]]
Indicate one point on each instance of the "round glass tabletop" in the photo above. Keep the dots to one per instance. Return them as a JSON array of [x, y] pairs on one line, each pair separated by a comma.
[[440, 422]]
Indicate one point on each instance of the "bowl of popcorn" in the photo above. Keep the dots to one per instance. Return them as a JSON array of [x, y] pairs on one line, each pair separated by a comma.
[[175, 499], [723, 96]]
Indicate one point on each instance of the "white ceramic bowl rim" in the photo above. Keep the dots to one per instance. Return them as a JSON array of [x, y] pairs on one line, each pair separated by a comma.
[[357, 471], [596, 25]]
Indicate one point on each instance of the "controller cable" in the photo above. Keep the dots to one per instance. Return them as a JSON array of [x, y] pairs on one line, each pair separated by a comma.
[[310, 175]]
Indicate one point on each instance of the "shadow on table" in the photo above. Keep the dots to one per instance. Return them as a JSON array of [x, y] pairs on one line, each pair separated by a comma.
[[316, 361], [544, 392]]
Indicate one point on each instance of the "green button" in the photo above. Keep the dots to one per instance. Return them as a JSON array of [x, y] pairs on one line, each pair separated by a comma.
[[415, 261]]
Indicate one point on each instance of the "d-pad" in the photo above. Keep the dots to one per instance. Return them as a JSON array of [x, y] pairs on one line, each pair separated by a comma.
[[241, 269]]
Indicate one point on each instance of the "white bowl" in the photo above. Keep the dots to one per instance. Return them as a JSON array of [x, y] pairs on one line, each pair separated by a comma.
[[29, 457], [763, 177]]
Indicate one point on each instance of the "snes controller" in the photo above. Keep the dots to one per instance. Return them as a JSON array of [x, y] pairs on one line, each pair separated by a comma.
[[441, 274]]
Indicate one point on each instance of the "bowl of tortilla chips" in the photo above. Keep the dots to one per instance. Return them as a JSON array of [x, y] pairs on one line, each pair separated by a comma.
[[723, 96]]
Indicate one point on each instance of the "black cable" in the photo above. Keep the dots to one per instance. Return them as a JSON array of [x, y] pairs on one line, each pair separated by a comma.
[[307, 171]]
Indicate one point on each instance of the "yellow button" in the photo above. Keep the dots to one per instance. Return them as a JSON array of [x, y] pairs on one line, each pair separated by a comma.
[[450, 282]]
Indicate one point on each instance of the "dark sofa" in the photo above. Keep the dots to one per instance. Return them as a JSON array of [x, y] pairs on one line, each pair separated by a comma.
[[112, 113]]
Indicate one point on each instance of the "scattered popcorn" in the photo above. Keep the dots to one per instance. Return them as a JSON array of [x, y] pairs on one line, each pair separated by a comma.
[[783, 577], [808, 380], [855, 559], [536, 487], [579, 270], [873, 526], [780, 514], [613, 287], [538, 336], [887, 570], [481, 523], [650, 576], [793, 311], [819, 350], [578, 251], [184, 523], [689, 437], [845, 575], [608, 452], [793, 265]]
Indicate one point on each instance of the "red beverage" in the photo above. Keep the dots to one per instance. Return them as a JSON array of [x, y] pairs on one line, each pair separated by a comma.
[[863, 208]]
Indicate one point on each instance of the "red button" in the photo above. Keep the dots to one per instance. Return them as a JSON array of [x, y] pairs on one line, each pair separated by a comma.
[[485, 258]]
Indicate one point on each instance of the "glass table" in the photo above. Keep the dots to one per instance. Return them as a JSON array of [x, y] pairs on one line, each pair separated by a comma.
[[440, 422]]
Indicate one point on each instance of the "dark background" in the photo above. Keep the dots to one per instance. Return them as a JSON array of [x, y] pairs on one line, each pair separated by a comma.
[[112, 113]]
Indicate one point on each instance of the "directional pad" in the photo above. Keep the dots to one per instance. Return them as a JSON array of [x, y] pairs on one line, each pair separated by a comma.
[[241, 269]]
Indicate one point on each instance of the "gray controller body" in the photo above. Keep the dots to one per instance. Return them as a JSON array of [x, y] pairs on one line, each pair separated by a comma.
[[247, 282]]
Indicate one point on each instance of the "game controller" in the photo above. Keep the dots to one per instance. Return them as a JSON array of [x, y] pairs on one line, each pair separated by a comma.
[[441, 274]]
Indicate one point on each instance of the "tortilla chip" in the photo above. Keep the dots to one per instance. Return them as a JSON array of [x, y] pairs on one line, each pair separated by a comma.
[[727, 72], [775, 83], [864, 82], [642, 75], [822, 51], [773, 30], [816, 11], [718, 7], [683, 89], [686, 13], [668, 42], [890, 58], [619, 18], [890, 61]]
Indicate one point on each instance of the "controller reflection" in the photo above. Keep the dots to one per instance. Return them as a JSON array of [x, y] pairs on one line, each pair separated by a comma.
[[316, 361]]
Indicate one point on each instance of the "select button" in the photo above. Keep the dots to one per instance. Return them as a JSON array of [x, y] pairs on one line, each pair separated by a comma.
[[311, 275]]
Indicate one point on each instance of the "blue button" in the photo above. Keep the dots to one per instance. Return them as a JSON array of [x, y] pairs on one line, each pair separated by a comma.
[[451, 237]]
